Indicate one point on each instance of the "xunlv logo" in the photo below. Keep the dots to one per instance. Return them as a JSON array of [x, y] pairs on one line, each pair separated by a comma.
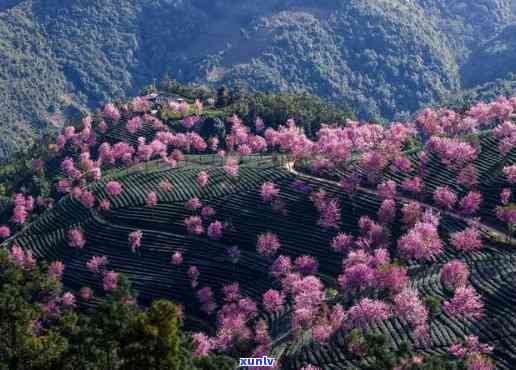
[[257, 361]]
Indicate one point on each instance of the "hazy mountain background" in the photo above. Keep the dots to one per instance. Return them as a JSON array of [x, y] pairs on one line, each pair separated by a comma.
[[383, 58]]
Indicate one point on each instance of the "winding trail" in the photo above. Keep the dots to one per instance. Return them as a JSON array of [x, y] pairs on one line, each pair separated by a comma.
[[489, 231]]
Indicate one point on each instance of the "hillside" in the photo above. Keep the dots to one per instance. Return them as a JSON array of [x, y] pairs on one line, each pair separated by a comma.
[[494, 59], [466, 24], [357, 236], [59, 57]]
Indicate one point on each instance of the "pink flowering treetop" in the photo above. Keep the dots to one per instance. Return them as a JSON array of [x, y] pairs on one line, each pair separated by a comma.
[[465, 303], [273, 301], [151, 199], [96, 264], [110, 281], [505, 196], [87, 198], [468, 176], [454, 274], [76, 238], [68, 299], [135, 240], [510, 173], [202, 179], [5, 232], [329, 210], [413, 185], [507, 214], [193, 274], [165, 185], [470, 203], [281, 267], [422, 242], [387, 190], [56, 269], [193, 204], [207, 212], [203, 344], [468, 240], [452, 152], [409, 307], [269, 191], [134, 124], [341, 243], [231, 167], [21, 258], [86, 293], [367, 311], [387, 211], [215, 230], [444, 197], [194, 225], [471, 348], [111, 112], [177, 258], [114, 188], [306, 265], [268, 244], [411, 213]]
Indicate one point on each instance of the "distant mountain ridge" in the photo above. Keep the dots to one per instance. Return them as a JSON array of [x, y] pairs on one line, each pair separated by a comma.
[[383, 57]]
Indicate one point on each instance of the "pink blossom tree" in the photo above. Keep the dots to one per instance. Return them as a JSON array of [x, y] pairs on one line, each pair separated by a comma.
[[215, 230], [365, 312], [269, 192], [268, 244], [152, 199], [203, 178], [273, 301], [470, 203], [468, 240], [444, 197], [422, 242], [76, 238], [135, 240], [114, 188], [510, 173], [96, 264], [465, 303], [110, 281], [177, 258], [454, 274]]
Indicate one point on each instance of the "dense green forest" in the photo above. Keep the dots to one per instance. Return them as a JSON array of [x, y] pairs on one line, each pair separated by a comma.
[[384, 59]]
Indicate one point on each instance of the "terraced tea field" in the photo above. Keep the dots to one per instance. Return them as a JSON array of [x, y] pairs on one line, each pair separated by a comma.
[[237, 202]]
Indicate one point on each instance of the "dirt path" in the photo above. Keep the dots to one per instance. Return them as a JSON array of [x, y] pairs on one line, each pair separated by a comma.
[[489, 231]]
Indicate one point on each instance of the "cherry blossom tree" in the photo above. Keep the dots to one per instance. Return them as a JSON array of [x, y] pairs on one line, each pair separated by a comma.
[[470, 203], [454, 274], [269, 192], [444, 197], [422, 242], [465, 303], [135, 240], [510, 173], [110, 281], [468, 240], [268, 244], [76, 238], [114, 188], [202, 179]]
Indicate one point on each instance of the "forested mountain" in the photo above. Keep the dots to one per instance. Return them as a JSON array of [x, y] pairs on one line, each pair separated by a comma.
[[496, 58], [380, 57]]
